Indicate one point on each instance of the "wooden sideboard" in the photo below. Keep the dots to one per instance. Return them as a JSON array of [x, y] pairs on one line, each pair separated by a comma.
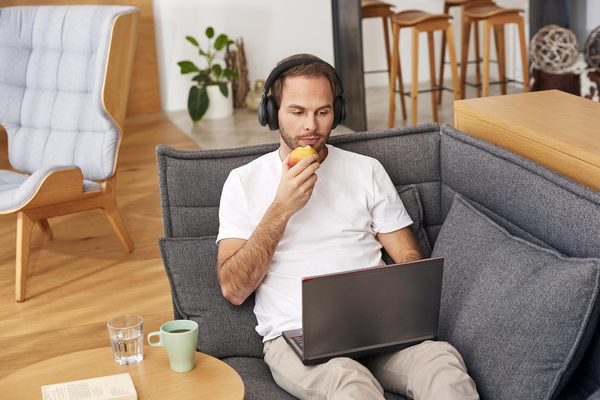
[[555, 129]]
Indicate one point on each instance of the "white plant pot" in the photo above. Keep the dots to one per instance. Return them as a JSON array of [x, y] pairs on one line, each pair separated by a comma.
[[219, 106]]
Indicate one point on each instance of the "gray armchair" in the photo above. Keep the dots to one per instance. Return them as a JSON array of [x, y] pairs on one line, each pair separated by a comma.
[[64, 82]]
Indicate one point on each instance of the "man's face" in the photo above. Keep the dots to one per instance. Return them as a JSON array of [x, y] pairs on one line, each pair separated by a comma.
[[305, 113]]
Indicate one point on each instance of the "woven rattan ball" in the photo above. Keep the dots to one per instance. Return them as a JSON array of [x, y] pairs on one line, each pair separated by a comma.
[[592, 48], [553, 48]]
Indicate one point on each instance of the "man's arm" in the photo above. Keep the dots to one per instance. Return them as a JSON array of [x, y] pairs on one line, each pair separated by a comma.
[[400, 245], [242, 264]]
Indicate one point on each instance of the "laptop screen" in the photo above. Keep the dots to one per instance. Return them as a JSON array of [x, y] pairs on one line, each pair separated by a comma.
[[371, 307]]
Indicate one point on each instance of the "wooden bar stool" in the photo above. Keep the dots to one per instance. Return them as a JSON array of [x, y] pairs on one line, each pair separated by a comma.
[[380, 9], [421, 21], [447, 5], [495, 17]]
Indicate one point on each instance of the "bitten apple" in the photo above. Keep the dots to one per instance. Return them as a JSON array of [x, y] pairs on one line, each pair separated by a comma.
[[299, 153]]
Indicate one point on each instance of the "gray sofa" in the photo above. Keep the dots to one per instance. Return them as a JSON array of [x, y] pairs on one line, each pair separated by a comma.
[[521, 244]]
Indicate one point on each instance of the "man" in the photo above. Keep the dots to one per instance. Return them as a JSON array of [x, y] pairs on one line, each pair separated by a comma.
[[278, 224]]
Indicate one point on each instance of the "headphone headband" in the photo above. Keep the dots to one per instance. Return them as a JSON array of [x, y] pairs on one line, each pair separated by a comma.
[[294, 63]]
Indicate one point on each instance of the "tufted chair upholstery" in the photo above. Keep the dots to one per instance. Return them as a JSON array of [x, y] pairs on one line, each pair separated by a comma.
[[53, 77]]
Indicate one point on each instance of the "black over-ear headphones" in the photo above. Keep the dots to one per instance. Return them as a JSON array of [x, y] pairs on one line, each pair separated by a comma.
[[267, 109]]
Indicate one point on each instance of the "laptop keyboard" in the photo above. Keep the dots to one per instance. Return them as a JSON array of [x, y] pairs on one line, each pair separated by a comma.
[[298, 340]]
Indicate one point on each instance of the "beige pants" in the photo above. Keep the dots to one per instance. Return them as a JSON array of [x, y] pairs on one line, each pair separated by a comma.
[[430, 370]]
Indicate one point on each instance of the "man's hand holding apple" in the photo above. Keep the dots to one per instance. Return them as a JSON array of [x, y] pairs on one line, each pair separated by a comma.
[[297, 184]]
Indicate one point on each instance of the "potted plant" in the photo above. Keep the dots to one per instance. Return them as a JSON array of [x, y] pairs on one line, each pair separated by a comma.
[[212, 84]]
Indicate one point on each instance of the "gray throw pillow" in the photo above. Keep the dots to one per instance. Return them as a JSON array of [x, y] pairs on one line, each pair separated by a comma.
[[224, 330], [519, 314], [412, 203]]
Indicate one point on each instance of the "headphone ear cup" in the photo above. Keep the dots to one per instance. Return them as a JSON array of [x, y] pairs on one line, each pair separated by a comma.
[[262, 117], [272, 113], [343, 113]]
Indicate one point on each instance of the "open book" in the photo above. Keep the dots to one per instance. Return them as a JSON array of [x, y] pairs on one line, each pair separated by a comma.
[[104, 388]]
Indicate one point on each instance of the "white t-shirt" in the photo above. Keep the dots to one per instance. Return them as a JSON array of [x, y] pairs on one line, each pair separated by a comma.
[[353, 199]]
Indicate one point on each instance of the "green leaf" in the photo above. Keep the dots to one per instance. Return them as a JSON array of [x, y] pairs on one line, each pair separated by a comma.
[[230, 74], [201, 77], [197, 102], [217, 70], [187, 67], [210, 32], [223, 87], [202, 53], [192, 41], [230, 42], [221, 42]]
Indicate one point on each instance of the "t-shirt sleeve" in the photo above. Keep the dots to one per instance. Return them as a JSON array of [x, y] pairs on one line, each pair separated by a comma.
[[233, 218], [388, 213]]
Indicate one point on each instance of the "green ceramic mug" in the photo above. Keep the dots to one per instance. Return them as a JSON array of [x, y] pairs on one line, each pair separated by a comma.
[[180, 339]]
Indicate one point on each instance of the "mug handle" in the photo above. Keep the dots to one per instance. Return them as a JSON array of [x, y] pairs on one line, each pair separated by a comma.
[[159, 343]]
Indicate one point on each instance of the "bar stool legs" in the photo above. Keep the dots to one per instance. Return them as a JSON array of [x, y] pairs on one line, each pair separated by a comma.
[[443, 56], [494, 17], [499, 39], [414, 90], [420, 22], [524, 59]]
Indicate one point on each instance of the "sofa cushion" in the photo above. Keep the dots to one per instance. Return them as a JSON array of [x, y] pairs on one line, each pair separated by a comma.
[[412, 203], [224, 330], [520, 315]]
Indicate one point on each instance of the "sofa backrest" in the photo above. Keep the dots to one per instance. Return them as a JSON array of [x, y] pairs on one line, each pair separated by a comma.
[[531, 202], [52, 70], [191, 181]]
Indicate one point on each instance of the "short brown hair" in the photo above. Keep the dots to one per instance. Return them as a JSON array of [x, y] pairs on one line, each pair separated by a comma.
[[310, 70]]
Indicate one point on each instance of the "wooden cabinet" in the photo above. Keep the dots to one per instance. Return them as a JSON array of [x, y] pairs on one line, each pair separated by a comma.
[[555, 129]]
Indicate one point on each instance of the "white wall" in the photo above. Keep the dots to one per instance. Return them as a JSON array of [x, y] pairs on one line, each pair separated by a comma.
[[275, 29]]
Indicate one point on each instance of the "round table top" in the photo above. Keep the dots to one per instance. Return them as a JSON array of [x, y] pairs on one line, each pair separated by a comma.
[[153, 379]]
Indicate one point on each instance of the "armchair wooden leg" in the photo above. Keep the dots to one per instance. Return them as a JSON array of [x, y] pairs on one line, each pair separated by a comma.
[[45, 227], [24, 229], [114, 217]]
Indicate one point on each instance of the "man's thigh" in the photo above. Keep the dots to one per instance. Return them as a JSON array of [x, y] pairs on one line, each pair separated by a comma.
[[339, 378]]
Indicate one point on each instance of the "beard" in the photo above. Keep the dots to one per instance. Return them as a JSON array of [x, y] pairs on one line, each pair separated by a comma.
[[294, 143]]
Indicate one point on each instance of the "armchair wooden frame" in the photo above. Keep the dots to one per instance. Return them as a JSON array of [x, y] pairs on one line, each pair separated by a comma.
[[61, 192]]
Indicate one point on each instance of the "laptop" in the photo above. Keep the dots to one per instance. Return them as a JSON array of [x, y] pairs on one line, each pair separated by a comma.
[[365, 311]]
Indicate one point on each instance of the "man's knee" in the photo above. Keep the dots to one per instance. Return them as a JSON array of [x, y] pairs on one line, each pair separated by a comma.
[[345, 375], [442, 352]]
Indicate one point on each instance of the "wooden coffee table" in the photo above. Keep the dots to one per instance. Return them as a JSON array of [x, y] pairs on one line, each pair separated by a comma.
[[152, 378]]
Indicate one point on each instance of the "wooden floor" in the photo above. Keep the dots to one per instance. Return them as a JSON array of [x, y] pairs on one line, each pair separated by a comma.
[[84, 277]]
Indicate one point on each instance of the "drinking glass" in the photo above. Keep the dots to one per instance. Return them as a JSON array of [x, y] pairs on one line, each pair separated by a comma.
[[126, 334]]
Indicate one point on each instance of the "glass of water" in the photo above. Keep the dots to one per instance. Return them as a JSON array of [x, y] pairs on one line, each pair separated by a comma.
[[126, 334]]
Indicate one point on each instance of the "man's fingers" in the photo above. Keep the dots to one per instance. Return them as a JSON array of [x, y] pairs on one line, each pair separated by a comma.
[[309, 184], [285, 167]]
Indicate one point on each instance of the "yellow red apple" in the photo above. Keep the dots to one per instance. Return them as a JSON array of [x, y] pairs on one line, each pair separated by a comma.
[[299, 154]]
